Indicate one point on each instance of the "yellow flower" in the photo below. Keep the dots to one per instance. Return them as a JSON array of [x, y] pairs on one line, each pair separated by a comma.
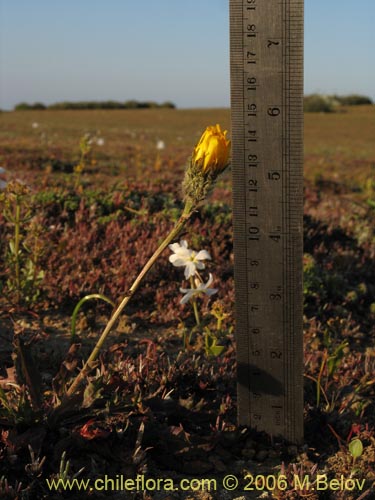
[[212, 151], [210, 157]]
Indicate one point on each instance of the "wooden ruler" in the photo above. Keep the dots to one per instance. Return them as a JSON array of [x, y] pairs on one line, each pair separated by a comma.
[[266, 38]]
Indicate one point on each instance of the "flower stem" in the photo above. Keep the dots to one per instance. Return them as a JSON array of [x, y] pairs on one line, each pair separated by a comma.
[[195, 305], [180, 224]]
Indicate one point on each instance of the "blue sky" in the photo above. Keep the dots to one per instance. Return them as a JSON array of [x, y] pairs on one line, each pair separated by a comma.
[[163, 50]]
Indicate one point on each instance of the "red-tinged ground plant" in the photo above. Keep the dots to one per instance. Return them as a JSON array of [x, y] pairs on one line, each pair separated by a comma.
[[209, 159]]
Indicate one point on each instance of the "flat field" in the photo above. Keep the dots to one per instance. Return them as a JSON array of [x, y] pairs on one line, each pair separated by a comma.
[[86, 198]]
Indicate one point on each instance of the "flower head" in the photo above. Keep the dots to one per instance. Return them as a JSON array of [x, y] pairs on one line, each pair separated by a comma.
[[209, 159], [200, 288], [184, 256], [212, 151]]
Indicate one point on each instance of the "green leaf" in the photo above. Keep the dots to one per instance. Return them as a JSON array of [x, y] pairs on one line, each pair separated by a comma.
[[212, 349], [12, 247], [215, 350], [356, 448], [91, 393]]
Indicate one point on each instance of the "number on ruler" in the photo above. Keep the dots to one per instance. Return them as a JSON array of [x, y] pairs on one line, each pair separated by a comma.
[[251, 109], [253, 186], [274, 175], [252, 83], [251, 57], [253, 161], [251, 30], [253, 233], [252, 135], [273, 111]]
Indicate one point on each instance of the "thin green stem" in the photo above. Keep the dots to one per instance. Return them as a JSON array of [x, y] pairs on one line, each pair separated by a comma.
[[97, 296], [219, 323], [189, 209], [195, 305], [17, 222], [318, 383]]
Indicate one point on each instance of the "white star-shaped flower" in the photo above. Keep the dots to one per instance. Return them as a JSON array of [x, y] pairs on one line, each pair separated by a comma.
[[200, 288], [184, 256]]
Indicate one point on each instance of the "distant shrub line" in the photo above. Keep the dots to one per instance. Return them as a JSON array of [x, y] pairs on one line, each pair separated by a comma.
[[94, 105], [319, 103]]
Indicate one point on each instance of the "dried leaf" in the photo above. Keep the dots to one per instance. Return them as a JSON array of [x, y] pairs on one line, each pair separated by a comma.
[[88, 431], [28, 372]]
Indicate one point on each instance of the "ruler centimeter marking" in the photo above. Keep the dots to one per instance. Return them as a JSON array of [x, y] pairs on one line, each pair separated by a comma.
[[266, 48]]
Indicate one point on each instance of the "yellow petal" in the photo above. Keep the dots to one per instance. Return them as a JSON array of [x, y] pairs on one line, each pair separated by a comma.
[[212, 150]]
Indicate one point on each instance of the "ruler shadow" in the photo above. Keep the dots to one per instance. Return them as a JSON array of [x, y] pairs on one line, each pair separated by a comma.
[[259, 380]]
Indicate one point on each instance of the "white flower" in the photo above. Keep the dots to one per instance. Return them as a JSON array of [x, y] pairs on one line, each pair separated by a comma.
[[100, 141], [35, 124], [190, 259], [200, 288], [160, 145]]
